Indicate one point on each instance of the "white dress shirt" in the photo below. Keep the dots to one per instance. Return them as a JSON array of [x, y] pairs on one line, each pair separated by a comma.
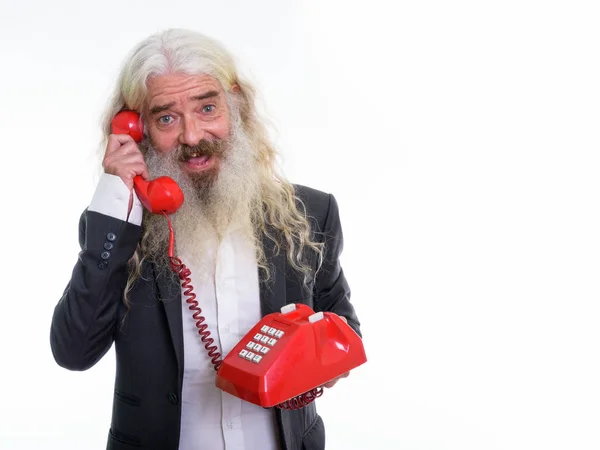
[[230, 300]]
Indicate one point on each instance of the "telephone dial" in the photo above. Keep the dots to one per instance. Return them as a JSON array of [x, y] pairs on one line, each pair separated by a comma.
[[286, 358]]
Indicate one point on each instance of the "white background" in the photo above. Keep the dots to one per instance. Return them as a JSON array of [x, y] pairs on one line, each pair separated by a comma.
[[461, 141]]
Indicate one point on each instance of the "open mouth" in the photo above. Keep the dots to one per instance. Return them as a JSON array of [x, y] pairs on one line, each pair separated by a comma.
[[197, 160], [202, 156]]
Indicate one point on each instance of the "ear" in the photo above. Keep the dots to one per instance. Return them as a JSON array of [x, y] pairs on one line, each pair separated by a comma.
[[235, 88]]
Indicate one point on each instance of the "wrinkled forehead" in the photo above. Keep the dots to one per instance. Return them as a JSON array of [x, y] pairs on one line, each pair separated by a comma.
[[179, 87]]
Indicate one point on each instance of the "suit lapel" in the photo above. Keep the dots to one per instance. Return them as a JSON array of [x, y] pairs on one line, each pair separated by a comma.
[[170, 294], [272, 298], [272, 291]]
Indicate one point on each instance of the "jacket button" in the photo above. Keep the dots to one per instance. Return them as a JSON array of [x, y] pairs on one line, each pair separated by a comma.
[[105, 255], [111, 236], [108, 245], [103, 265], [173, 398]]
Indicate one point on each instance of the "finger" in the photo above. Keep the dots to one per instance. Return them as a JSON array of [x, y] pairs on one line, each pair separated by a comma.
[[134, 170], [127, 171], [121, 138], [144, 173], [330, 384], [127, 148], [116, 167], [116, 149], [115, 141], [128, 158], [116, 160], [333, 382]]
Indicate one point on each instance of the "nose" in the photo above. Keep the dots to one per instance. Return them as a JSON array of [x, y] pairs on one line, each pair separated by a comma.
[[191, 132]]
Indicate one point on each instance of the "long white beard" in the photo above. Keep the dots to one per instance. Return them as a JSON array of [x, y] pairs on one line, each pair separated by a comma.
[[231, 199]]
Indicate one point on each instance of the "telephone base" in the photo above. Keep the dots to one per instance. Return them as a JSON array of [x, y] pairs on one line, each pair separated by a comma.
[[288, 354]]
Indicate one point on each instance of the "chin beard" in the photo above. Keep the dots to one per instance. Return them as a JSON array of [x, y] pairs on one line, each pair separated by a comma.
[[224, 196]]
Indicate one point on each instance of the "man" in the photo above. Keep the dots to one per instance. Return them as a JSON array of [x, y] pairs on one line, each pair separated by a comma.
[[252, 241]]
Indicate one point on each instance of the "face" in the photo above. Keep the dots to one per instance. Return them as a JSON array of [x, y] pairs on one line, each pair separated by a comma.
[[187, 111]]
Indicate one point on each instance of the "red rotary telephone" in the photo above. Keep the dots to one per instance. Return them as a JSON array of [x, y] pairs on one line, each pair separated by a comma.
[[286, 357]]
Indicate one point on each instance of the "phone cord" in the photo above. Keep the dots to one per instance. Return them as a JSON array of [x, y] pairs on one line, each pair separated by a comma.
[[302, 400], [183, 272]]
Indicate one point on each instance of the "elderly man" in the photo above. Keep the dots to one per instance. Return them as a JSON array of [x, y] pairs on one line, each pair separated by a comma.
[[252, 241]]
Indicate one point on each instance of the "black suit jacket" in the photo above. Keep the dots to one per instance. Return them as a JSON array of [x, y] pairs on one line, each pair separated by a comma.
[[148, 340]]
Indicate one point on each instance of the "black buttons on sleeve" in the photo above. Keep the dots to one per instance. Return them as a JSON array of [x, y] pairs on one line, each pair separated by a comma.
[[173, 398], [111, 237]]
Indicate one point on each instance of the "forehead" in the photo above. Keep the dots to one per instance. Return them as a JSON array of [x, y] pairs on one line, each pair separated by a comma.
[[167, 88]]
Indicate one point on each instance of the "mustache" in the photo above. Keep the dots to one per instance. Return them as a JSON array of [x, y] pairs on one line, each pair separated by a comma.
[[203, 148]]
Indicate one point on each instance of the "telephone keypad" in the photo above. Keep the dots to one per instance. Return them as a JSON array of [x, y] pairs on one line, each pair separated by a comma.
[[250, 356], [261, 343]]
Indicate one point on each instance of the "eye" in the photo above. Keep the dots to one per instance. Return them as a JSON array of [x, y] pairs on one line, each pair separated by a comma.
[[208, 108], [165, 120]]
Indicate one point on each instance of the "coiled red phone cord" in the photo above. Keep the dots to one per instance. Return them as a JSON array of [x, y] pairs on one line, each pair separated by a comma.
[[302, 400], [183, 272]]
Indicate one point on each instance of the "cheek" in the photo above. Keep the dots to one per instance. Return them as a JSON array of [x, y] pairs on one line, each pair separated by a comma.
[[163, 142], [164, 146], [221, 128]]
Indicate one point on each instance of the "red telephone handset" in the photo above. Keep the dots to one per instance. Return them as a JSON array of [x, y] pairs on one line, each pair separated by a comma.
[[285, 358], [160, 194]]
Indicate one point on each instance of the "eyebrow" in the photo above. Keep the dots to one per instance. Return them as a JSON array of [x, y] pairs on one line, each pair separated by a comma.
[[160, 108]]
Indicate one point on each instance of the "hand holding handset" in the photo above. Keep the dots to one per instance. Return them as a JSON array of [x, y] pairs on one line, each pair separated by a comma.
[[286, 358], [159, 195]]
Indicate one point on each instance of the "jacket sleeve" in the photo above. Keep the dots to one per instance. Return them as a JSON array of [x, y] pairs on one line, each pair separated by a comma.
[[84, 320], [332, 292]]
